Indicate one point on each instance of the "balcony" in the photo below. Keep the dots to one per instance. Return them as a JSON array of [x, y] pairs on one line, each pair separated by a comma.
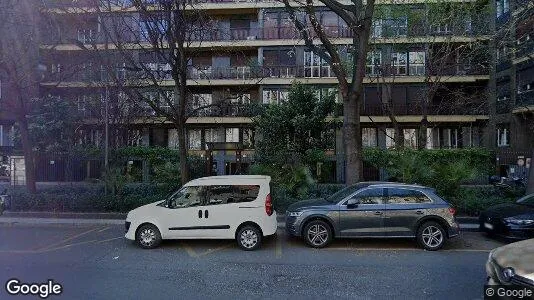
[[225, 109], [411, 109], [524, 102]]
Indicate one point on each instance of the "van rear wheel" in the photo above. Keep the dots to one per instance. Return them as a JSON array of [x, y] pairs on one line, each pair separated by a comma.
[[249, 237]]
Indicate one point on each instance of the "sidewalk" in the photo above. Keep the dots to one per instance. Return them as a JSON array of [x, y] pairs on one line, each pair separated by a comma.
[[77, 219]]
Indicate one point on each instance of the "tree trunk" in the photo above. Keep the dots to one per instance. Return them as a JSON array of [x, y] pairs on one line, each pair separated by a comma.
[[399, 136], [353, 139], [182, 149], [28, 154], [530, 183], [421, 138]]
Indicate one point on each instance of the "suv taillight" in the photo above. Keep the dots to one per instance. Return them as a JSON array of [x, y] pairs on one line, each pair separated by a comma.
[[268, 205], [452, 210]]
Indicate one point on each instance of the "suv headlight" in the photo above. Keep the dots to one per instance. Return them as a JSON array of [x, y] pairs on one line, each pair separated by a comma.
[[294, 213], [520, 220]]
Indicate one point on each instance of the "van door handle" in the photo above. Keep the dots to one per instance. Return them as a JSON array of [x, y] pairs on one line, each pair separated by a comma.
[[206, 214], [419, 212], [200, 214], [378, 213]]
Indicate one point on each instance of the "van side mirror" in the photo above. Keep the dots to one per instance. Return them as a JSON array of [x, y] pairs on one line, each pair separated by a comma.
[[353, 202]]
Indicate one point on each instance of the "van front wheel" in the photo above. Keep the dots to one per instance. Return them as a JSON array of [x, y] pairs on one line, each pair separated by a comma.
[[249, 237]]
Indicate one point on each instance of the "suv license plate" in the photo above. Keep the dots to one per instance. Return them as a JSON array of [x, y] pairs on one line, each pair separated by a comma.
[[488, 226]]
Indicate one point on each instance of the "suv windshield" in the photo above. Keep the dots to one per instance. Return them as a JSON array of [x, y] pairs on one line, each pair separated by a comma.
[[343, 193]]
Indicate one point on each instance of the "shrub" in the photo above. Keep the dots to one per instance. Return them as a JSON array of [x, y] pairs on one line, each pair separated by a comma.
[[471, 200]]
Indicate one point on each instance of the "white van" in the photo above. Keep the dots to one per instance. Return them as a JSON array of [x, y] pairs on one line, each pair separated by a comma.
[[218, 207]]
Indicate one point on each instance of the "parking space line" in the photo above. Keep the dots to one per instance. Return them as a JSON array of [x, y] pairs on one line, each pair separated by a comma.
[[278, 248], [108, 240], [189, 250], [104, 229], [67, 239], [65, 246], [404, 249], [215, 250]]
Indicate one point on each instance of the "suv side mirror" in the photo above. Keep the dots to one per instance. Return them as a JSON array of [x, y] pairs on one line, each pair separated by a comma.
[[353, 202]]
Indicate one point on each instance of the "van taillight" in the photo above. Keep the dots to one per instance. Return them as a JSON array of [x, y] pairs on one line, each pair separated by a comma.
[[268, 205], [452, 210]]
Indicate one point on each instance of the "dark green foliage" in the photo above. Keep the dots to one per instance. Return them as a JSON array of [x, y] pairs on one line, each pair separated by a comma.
[[445, 170], [471, 200], [53, 124], [294, 135]]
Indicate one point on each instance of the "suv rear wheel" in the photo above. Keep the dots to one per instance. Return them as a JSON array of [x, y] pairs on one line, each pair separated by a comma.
[[318, 234], [431, 236]]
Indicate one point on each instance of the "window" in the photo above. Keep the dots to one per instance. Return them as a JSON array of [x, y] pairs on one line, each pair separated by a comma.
[[214, 135], [443, 28], [226, 194], [370, 196], [369, 138], [405, 196], [189, 196], [374, 62], [430, 138], [274, 96], [248, 138], [417, 63], [315, 66], [451, 138], [202, 100], [195, 139], [376, 30], [232, 135], [6, 135], [410, 138], [397, 27], [503, 136], [399, 63], [153, 29], [86, 36]]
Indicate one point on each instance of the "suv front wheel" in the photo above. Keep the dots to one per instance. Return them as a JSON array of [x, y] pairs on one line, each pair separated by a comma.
[[318, 234], [431, 236]]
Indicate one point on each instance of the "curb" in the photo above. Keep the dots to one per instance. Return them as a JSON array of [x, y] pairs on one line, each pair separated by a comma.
[[12, 221]]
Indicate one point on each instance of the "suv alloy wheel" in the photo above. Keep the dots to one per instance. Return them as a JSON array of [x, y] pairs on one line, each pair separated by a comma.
[[431, 236], [318, 234]]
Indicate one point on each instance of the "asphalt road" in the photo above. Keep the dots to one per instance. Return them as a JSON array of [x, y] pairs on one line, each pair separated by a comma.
[[96, 262]]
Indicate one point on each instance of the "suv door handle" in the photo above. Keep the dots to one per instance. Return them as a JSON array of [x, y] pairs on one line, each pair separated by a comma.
[[206, 214], [200, 214], [419, 212], [378, 213]]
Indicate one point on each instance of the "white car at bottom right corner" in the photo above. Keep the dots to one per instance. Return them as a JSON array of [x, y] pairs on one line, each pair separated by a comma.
[[512, 264]]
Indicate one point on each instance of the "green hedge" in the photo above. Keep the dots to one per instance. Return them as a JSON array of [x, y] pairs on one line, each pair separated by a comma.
[[85, 198], [471, 200]]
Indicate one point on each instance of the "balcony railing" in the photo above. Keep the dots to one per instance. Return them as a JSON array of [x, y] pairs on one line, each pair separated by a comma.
[[225, 110], [87, 75], [376, 109], [525, 99]]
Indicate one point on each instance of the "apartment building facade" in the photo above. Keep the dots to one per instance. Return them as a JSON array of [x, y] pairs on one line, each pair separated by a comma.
[[251, 55], [514, 81]]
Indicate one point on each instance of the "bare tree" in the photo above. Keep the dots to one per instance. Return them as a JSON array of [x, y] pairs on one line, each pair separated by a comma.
[[19, 64], [357, 17], [147, 51], [451, 48]]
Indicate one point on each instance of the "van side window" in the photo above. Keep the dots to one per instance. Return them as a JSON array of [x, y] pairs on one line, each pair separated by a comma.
[[405, 196], [227, 194], [188, 196]]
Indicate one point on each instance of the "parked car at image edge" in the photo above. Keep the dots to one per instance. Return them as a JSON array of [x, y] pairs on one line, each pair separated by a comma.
[[219, 207], [510, 220], [375, 210], [512, 264]]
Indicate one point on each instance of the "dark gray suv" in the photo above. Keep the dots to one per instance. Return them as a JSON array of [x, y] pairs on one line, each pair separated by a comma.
[[375, 209]]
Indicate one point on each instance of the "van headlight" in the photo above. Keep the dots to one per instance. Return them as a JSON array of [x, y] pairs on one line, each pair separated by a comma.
[[294, 214]]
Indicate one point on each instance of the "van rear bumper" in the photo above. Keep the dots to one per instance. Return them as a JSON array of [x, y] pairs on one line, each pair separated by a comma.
[[270, 225]]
